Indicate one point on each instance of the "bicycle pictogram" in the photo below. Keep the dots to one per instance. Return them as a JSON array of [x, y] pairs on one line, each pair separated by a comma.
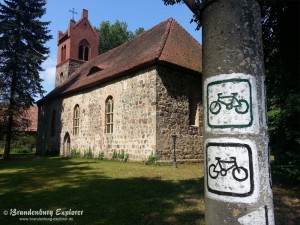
[[239, 173], [230, 101]]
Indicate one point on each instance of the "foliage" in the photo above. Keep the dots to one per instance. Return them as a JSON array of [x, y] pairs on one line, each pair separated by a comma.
[[114, 35], [114, 155], [121, 156], [151, 159], [126, 157], [75, 153], [22, 51], [22, 142], [282, 51], [88, 154], [101, 156], [196, 7]]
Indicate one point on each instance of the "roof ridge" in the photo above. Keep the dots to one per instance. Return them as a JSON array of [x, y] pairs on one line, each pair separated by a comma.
[[137, 36], [188, 34], [170, 21], [167, 42]]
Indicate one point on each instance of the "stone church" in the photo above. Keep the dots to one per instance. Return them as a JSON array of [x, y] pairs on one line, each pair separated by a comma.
[[131, 99]]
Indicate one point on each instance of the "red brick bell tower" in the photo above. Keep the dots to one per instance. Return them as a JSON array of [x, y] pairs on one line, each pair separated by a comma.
[[76, 46]]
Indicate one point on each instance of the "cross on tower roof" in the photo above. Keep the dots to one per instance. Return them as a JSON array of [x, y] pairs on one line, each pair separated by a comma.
[[73, 12]]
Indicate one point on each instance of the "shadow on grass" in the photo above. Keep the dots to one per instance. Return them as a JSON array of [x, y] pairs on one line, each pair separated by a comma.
[[58, 183], [286, 204]]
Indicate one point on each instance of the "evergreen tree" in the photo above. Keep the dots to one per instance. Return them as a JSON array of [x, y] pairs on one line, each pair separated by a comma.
[[114, 35], [22, 51]]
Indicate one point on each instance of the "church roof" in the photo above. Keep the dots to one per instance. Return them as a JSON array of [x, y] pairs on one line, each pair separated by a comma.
[[167, 43]]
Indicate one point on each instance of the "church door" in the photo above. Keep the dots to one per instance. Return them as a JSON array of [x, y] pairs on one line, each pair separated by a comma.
[[67, 145]]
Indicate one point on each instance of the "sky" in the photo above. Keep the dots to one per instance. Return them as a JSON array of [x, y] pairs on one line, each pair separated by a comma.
[[136, 13]]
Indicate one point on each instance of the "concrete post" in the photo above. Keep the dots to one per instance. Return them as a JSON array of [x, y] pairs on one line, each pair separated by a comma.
[[237, 173]]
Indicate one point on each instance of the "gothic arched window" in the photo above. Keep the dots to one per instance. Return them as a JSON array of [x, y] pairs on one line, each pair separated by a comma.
[[52, 123], [76, 117], [63, 53], [193, 108], [86, 53], [109, 114], [83, 50]]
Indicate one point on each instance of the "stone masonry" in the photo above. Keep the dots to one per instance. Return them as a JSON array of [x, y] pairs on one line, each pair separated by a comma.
[[176, 94], [149, 106], [154, 82]]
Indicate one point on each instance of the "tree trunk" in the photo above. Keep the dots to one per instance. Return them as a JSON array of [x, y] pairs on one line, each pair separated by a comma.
[[10, 122], [6, 153], [237, 173]]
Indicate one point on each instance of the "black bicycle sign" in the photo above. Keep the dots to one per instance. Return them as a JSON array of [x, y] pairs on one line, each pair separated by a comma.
[[230, 101], [239, 173]]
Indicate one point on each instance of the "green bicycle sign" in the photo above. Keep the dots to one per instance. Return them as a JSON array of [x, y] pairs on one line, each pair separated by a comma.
[[229, 103], [241, 106]]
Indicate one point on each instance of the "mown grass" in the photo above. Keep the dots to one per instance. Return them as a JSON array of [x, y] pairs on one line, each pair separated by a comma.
[[108, 192], [111, 192]]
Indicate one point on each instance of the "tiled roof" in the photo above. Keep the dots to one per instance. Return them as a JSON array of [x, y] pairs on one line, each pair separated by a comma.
[[32, 116], [166, 43], [28, 118]]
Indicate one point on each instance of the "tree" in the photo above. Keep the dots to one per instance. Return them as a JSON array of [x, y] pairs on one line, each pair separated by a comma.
[[194, 5], [22, 51], [112, 36], [282, 51]]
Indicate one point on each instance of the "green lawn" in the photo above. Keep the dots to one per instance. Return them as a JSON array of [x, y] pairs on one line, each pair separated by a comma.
[[108, 192], [112, 192]]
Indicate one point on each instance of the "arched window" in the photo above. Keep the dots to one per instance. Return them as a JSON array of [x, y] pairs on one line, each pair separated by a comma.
[[83, 50], [86, 53], [193, 109], [52, 123], [109, 115], [63, 53], [76, 117], [67, 145], [80, 53]]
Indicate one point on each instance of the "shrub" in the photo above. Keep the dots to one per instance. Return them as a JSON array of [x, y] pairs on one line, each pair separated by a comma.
[[121, 155], [74, 153], [21, 149], [115, 155], [151, 159], [286, 168], [126, 157], [101, 156], [23, 143], [88, 154]]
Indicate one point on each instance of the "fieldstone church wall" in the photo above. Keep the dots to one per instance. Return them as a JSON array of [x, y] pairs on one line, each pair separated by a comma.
[[179, 111], [64, 70], [149, 106]]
